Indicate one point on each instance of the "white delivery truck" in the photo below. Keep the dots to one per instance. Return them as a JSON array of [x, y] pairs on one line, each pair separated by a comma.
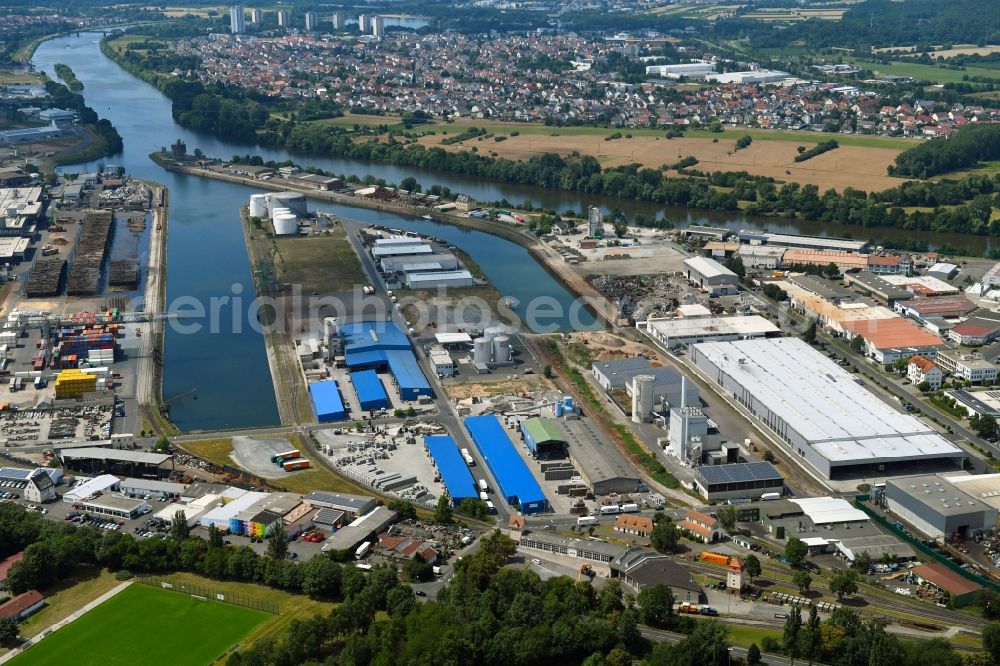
[[484, 497], [610, 509], [468, 457], [586, 520], [483, 487]]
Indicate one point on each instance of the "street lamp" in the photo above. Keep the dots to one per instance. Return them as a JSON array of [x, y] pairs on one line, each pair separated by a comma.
[[729, 651]]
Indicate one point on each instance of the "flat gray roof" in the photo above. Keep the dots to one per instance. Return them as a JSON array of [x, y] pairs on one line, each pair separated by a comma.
[[939, 494], [598, 457]]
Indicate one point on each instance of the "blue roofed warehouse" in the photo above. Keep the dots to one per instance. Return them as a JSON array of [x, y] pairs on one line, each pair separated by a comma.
[[454, 473], [513, 478], [371, 393], [327, 401], [382, 344]]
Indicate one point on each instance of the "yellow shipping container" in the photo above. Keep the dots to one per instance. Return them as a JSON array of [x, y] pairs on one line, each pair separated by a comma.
[[74, 383]]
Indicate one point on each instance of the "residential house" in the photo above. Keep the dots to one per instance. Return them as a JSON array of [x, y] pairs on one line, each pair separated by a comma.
[[921, 369], [702, 526]]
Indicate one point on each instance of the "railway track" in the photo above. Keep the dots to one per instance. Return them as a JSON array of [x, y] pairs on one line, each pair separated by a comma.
[[879, 600]]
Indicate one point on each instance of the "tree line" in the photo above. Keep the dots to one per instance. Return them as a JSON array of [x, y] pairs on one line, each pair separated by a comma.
[[64, 98], [970, 145]]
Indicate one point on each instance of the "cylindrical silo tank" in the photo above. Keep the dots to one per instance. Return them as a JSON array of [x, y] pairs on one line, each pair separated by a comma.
[[294, 200], [568, 403], [280, 210], [557, 409], [285, 224], [258, 205], [481, 351], [501, 349], [642, 398]]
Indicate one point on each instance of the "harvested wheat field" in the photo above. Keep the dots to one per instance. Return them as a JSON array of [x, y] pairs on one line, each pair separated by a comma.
[[861, 167]]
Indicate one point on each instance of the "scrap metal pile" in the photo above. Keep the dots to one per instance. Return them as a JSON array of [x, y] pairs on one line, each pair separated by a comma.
[[133, 195]]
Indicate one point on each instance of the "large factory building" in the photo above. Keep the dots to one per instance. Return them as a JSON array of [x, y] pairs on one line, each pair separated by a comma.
[[817, 408], [942, 506]]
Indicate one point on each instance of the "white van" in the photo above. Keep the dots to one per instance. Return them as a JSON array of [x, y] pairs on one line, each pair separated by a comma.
[[483, 487], [484, 497], [490, 509]]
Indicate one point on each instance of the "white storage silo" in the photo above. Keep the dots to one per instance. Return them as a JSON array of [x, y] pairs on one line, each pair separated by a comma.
[[294, 200], [482, 351], [285, 224], [502, 350], [278, 210], [642, 398], [258, 205]]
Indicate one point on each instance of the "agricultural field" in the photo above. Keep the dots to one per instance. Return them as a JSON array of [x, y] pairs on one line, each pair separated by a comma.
[[937, 52], [851, 165], [925, 72], [709, 13], [781, 15], [147, 625]]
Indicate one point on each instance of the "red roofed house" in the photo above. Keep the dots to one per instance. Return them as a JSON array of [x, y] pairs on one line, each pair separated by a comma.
[[701, 526], [22, 605], [5, 566], [921, 369], [892, 264], [632, 524], [406, 547]]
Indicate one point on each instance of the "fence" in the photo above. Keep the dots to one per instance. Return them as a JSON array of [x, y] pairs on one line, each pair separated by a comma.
[[860, 501], [211, 594]]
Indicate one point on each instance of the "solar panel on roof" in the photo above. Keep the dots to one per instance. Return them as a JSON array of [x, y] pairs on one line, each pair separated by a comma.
[[14, 473]]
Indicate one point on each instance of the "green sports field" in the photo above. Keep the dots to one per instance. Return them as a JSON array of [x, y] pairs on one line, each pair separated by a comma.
[[147, 625]]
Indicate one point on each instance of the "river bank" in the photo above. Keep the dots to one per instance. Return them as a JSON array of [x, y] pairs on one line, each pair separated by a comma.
[[288, 382], [547, 258], [149, 382]]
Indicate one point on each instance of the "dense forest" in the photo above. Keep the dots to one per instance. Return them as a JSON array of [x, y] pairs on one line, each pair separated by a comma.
[[970, 145]]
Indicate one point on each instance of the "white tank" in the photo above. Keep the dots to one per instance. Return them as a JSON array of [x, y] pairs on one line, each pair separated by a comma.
[[294, 200], [258, 205], [285, 225], [642, 398], [502, 349], [482, 351], [274, 212]]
